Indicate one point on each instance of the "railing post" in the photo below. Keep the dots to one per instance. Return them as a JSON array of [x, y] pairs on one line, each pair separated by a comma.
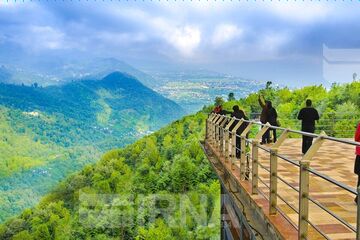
[[208, 126], [243, 151], [223, 125], [255, 158], [304, 199], [273, 181], [242, 157], [220, 130], [233, 157], [304, 185], [227, 139], [254, 168], [213, 129], [217, 132]]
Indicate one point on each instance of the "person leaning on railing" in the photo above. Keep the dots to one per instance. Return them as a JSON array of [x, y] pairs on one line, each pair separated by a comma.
[[268, 114], [220, 110], [357, 159], [239, 114], [263, 118]]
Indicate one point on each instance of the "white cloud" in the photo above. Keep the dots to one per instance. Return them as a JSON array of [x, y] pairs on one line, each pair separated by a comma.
[[224, 33], [272, 42], [46, 37], [185, 39]]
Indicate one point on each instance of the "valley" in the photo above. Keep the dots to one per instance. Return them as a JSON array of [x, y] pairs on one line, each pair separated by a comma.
[[195, 89], [50, 132]]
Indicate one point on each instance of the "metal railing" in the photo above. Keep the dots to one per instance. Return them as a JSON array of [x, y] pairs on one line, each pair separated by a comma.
[[325, 123], [223, 139]]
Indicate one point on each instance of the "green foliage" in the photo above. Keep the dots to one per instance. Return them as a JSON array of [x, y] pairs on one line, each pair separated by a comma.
[[231, 97], [167, 165], [48, 133], [144, 182], [339, 107], [219, 101]]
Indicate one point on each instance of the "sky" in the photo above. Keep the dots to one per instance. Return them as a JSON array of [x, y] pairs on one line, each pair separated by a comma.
[[280, 41]]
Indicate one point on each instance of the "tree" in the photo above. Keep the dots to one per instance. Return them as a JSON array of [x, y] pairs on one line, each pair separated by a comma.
[[231, 97], [268, 85], [219, 101], [42, 232], [22, 235]]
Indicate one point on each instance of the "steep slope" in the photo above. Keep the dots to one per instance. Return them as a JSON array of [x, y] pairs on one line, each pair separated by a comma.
[[47, 133], [160, 187]]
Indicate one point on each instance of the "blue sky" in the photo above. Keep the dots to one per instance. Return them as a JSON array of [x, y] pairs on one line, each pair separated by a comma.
[[278, 41]]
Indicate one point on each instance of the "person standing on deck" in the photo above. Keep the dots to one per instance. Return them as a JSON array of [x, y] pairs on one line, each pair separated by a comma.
[[308, 115], [239, 114], [272, 119], [264, 118], [357, 159]]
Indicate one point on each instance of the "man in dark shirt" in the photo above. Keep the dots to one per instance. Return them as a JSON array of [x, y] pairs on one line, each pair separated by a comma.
[[308, 115], [239, 114]]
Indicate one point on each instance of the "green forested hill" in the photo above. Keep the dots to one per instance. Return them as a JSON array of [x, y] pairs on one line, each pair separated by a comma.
[[162, 187], [47, 133], [152, 188]]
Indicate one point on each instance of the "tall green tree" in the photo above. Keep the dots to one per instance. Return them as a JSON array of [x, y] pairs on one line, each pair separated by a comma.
[[231, 97], [219, 101]]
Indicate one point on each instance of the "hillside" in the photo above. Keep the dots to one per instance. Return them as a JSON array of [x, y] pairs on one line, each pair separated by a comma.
[[162, 187], [146, 187], [47, 133]]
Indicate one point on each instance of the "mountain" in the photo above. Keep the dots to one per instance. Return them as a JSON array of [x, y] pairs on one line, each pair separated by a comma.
[[138, 192], [46, 71], [50, 132]]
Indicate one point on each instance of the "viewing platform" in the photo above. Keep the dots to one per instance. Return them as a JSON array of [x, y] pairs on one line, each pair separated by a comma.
[[273, 191]]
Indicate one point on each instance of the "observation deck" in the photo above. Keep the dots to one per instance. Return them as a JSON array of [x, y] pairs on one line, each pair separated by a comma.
[[273, 191]]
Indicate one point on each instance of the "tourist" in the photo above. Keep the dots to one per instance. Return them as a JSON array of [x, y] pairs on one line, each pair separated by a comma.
[[239, 114], [268, 115], [308, 115]]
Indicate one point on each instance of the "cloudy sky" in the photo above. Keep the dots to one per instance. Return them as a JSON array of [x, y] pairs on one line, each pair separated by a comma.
[[278, 41]]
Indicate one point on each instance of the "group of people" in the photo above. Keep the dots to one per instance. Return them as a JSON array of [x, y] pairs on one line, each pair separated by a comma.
[[308, 115]]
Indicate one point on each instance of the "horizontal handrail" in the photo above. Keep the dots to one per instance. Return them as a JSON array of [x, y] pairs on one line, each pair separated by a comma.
[[224, 141], [329, 179], [314, 135]]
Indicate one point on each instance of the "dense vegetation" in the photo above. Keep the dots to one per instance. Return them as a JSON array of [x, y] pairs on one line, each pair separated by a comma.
[[47, 133], [142, 190], [339, 106], [165, 168]]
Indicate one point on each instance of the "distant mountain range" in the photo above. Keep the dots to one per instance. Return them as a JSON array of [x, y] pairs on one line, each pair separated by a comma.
[[190, 88], [56, 71], [49, 132]]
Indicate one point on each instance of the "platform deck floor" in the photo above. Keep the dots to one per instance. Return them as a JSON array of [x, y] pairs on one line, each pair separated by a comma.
[[335, 160]]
